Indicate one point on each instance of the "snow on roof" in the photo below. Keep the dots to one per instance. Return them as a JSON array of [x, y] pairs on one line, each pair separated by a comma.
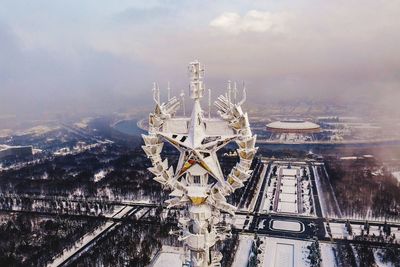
[[293, 125]]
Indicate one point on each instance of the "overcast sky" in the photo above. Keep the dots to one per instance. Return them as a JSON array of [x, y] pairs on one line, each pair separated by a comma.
[[104, 55]]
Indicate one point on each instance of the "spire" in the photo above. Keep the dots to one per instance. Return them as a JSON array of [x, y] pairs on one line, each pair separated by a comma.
[[183, 102], [196, 82], [156, 93], [196, 127], [244, 95]]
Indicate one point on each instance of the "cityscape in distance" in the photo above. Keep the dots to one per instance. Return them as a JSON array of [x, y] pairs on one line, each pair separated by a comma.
[[200, 134]]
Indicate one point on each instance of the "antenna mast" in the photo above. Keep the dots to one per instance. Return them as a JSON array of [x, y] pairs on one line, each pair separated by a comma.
[[234, 93], [183, 102], [209, 103], [169, 92]]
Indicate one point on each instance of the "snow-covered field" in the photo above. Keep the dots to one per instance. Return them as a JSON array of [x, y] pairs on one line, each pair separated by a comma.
[[284, 253], [328, 256], [290, 253]]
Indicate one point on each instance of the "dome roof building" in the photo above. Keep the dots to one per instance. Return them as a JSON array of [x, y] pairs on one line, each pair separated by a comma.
[[293, 126]]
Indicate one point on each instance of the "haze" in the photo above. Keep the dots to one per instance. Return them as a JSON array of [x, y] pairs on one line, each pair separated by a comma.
[[102, 56]]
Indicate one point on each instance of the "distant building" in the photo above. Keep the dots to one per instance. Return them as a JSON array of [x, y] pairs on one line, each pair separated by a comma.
[[293, 126], [15, 151], [332, 119]]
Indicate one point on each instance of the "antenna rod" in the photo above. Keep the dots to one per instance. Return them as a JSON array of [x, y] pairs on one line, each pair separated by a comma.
[[244, 95], [155, 92], [169, 92], [158, 94], [183, 102], [209, 103], [234, 93], [229, 94]]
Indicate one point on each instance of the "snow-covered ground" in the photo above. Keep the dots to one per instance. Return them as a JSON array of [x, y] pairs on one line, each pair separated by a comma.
[[328, 256], [38, 130], [137, 201], [287, 207], [67, 253], [288, 193], [243, 252], [283, 252], [339, 231], [168, 256], [141, 212], [239, 221], [378, 260], [98, 176], [121, 211], [279, 252]]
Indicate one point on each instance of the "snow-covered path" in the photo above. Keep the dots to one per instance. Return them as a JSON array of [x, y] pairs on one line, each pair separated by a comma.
[[68, 253], [92, 236]]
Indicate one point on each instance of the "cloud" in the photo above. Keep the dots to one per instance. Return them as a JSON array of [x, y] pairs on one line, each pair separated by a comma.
[[40, 81], [106, 54], [252, 21]]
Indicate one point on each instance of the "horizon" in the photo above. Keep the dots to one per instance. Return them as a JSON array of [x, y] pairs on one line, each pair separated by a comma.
[[103, 57]]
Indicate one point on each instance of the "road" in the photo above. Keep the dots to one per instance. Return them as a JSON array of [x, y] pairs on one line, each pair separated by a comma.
[[317, 204], [250, 186]]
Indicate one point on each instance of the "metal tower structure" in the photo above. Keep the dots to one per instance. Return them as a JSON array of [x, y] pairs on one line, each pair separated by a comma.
[[198, 184]]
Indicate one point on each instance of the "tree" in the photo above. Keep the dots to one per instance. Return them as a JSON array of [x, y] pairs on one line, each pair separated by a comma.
[[315, 254], [349, 228]]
